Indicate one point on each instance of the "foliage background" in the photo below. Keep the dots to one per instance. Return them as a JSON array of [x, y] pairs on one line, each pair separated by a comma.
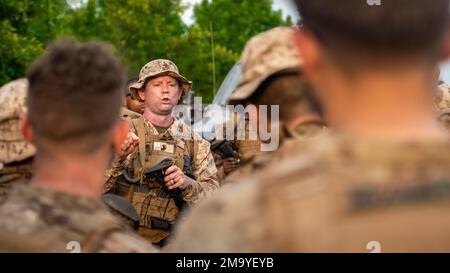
[[139, 30]]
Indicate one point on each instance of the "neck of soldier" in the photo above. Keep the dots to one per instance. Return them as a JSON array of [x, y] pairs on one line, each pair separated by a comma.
[[384, 104], [161, 120], [76, 175]]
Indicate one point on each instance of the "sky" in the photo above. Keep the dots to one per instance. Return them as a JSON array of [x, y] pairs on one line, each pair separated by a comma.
[[445, 72]]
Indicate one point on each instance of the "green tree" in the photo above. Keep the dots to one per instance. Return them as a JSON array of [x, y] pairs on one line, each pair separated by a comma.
[[16, 52], [25, 28], [140, 30], [198, 65], [40, 19], [235, 21]]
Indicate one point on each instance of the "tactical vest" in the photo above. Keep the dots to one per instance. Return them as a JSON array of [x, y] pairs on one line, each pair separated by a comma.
[[14, 173], [143, 182]]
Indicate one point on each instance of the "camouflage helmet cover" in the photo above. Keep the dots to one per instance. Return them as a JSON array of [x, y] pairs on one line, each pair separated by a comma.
[[266, 54], [13, 146]]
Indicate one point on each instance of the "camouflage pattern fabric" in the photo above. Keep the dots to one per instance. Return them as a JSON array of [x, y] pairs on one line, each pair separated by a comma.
[[264, 55], [336, 194], [57, 218], [13, 147], [156, 68]]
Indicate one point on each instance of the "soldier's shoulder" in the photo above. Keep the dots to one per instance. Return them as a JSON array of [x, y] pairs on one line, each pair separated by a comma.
[[126, 241], [291, 149], [325, 183], [226, 228], [345, 163], [127, 114], [19, 211], [32, 208]]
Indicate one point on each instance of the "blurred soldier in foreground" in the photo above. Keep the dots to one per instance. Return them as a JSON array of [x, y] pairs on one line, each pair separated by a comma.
[[16, 154], [164, 165], [380, 181], [75, 141], [271, 68]]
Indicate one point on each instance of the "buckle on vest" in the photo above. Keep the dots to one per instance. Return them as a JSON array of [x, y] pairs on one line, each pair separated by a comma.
[[144, 188], [160, 224]]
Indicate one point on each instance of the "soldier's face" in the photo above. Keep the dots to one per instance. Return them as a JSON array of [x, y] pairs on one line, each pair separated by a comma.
[[161, 95], [134, 105]]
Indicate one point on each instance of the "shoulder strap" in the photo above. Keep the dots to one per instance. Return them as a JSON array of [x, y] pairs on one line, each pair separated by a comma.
[[194, 152], [192, 147], [140, 128]]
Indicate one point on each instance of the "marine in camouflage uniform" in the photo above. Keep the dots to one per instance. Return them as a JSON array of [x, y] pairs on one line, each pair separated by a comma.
[[132, 107], [61, 208], [140, 176], [330, 193], [379, 181], [16, 155], [243, 150], [271, 63], [443, 104]]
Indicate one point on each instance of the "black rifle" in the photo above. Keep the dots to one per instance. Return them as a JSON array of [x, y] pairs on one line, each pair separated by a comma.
[[158, 172], [224, 148]]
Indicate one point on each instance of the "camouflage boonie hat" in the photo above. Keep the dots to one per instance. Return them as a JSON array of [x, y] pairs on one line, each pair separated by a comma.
[[13, 146], [266, 54], [158, 68]]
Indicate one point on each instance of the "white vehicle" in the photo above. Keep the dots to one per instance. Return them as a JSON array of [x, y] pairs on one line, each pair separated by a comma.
[[214, 113]]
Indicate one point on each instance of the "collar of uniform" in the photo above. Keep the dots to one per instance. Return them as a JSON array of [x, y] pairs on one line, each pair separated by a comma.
[[151, 127], [380, 149], [176, 130], [55, 198], [381, 160]]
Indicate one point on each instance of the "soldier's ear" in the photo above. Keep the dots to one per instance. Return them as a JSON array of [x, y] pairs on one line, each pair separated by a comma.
[[180, 93], [120, 133], [310, 52], [26, 129], [141, 94]]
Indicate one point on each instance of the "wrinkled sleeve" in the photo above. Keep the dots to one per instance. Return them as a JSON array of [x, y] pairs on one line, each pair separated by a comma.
[[219, 165], [117, 167], [205, 172]]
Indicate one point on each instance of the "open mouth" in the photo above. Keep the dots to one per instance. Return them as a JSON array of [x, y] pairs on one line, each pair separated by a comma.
[[165, 100]]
